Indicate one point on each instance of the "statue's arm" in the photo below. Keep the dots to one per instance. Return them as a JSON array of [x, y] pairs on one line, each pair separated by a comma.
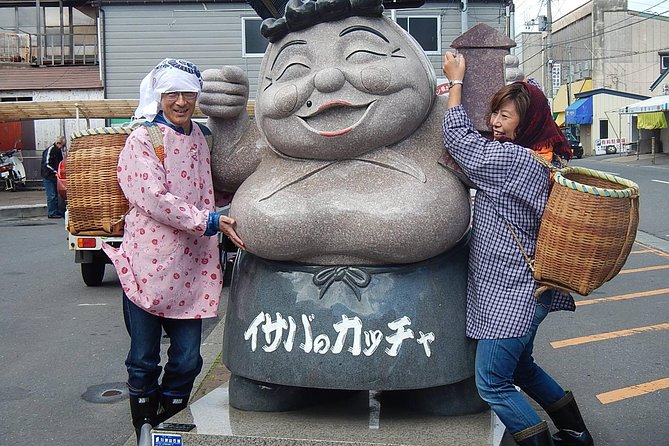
[[237, 144]]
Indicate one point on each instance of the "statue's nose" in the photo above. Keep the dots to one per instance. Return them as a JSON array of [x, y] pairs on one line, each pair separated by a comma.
[[329, 80]]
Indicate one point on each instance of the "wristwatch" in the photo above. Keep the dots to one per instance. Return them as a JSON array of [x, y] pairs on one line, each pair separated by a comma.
[[452, 83]]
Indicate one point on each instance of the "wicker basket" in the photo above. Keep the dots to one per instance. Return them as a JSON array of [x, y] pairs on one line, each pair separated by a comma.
[[96, 205], [587, 230]]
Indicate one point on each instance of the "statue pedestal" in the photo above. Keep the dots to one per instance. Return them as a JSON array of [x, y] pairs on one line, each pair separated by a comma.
[[356, 419]]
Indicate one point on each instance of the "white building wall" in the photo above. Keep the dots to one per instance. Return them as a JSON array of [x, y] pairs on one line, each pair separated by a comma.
[[47, 130], [528, 52], [616, 47], [606, 107]]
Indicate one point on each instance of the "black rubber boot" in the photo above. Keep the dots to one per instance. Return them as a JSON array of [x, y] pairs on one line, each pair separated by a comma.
[[171, 403], [537, 435], [143, 409], [567, 418]]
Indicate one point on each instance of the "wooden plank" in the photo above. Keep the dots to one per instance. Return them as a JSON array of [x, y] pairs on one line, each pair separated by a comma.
[[88, 109]]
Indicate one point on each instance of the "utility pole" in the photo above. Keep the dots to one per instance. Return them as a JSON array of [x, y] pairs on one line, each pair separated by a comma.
[[38, 22], [548, 53], [569, 79]]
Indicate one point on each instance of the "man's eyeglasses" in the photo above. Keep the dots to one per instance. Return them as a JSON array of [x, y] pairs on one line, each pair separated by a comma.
[[174, 95]]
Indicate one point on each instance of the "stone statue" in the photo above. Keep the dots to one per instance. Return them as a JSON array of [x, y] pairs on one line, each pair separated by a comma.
[[354, 276]]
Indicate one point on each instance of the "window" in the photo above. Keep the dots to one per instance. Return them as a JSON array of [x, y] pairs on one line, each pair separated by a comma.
[[664, 62], [603, 129], [73, 43], [253, 43], [16, 99], [425, 29]]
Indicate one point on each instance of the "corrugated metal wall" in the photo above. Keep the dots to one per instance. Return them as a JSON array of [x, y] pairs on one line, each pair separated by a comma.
[[137, 37]]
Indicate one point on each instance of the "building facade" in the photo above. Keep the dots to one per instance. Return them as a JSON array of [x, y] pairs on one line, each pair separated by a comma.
[[601, 127], [121, 40], [137, 36], [620, 48], [608, 46]]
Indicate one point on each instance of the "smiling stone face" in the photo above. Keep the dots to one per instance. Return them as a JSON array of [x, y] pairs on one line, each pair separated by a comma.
[[340, 89]]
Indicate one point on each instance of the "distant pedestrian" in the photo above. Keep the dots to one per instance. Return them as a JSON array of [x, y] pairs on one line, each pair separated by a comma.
[[51, 157]]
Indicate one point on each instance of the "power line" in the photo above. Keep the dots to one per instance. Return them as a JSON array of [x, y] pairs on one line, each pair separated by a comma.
[[606, 30], [595, 35]]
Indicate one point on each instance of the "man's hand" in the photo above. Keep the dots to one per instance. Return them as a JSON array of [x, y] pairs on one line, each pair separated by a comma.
[[227, 226], [224, 93]]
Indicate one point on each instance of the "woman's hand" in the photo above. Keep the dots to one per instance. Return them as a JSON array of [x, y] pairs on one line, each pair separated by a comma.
[[454, 69], [454, 66], [227, 226]]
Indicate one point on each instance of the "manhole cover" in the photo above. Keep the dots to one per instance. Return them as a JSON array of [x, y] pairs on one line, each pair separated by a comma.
[[111, 393], [106, 393]]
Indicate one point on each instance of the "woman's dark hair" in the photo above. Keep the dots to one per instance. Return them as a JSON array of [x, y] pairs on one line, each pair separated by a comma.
[[536, 129], [517, 94]]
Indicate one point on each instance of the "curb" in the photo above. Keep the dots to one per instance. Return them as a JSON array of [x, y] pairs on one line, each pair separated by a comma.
[[22, 211], [652, 241]]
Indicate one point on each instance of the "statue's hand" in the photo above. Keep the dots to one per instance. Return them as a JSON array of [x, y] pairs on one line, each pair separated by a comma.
[[224, 93], [512, 72]]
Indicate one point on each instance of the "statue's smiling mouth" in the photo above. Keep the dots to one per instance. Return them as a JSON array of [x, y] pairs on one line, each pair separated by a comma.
[[336, 118]]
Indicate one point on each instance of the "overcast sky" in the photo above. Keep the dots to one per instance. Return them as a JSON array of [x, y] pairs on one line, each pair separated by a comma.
[[528, 10]]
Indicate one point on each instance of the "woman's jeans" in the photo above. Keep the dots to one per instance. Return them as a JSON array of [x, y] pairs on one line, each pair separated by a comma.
[[501, 363], [184, 362]]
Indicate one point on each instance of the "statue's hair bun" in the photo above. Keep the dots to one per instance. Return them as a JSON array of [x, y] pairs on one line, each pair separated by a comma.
[[302, 14]]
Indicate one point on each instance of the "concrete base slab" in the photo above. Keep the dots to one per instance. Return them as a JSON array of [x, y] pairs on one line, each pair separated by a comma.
[[356, 419]]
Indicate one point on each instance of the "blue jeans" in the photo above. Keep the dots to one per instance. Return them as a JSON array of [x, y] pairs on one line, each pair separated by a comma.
[[184, 362], [52, 208], [501, 363]]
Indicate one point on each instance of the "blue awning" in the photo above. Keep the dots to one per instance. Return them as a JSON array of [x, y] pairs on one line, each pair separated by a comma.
[[580, 112]]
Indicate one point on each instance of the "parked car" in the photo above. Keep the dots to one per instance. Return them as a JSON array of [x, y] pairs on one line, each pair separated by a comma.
[[575, 144], [61, 181]]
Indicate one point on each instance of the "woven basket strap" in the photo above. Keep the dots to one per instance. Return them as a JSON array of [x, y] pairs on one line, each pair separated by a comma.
[[552, 168], [156, 140], [207, 135], [548, 165], [528, 259]]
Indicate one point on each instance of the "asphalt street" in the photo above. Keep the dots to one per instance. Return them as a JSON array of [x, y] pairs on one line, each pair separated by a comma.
[[64, 343]]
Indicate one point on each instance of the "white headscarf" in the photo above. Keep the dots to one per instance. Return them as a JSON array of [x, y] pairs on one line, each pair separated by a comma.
[[168, 75]]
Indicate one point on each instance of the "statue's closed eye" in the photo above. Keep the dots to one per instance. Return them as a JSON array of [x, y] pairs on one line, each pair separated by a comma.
[[364, 56], [293, 71]]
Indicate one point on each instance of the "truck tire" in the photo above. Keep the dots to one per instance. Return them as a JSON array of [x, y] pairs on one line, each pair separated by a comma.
[[93, 273]]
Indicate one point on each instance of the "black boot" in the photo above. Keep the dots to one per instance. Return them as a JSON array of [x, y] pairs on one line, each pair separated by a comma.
[[171, 403], [143, 409], [568, 420], [537, 435]]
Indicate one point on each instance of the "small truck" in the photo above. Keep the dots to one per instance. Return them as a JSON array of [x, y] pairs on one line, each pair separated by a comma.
[[89, 254]]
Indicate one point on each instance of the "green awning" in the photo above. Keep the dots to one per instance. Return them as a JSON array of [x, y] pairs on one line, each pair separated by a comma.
[[652, 120]]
